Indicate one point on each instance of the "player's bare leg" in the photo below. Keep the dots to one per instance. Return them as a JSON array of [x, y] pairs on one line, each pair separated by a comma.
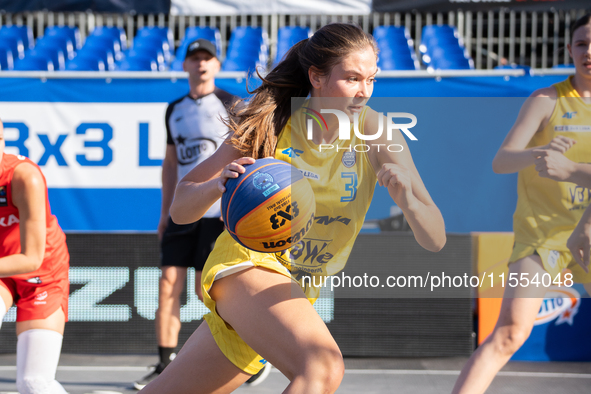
[[518, 312], [168, 314], [267, 310]]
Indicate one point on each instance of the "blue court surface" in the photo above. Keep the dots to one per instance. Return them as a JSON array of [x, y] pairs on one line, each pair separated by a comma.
[[100, 374]]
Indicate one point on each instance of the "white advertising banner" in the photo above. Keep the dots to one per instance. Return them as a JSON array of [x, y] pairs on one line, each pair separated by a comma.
[[267, 7], [89, 145]]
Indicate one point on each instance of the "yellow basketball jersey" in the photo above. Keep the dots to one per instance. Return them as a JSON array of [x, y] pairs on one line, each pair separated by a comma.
[[548, 211], [343, 181]]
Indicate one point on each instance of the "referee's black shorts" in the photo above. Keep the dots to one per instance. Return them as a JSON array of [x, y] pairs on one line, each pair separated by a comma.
[[188, 245]]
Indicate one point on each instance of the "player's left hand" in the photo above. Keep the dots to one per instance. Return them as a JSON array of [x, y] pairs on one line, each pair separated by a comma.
[[553, 165], [579, 244], [398, 180]]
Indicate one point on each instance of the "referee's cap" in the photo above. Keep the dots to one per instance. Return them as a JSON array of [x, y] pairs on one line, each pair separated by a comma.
[[201, 45]]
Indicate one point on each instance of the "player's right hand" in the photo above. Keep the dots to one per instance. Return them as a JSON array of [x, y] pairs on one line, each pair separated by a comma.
[[560, 144], [233, 170], [579, 243]]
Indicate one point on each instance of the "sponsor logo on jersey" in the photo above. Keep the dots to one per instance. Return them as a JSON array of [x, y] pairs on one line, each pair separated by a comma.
[[291, 152], [8, 221], [189, 150], [3, 197], [579, 194], [310, 175], [349, 159], [569, 115], [553, 258], [309, 255], [326, 220], [575, 128], [40, 298], [560, 304], [36, 280]]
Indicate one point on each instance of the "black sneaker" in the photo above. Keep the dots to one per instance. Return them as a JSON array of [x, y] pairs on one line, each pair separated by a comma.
[[143, 382], [257, 379]]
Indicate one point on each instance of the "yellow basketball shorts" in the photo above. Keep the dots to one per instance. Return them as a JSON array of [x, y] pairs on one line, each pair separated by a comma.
[[554, 261], [227, 258]]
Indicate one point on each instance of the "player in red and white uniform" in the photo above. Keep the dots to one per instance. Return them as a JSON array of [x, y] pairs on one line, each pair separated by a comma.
[[34, 263]]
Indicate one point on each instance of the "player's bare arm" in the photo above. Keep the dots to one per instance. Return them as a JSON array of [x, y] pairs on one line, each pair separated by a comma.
[[28, 195], [533, 117], [554, 165], [200, 188], [397, 172]]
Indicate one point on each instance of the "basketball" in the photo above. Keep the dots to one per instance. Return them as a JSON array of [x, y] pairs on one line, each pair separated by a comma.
[[269, 207]]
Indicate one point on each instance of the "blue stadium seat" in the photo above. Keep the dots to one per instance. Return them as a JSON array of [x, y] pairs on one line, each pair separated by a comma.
[[396, 63], [24, 33], [85, 62], [439, 42], [137, 63], [116, 33], [33, 63], [6, 58], [236, 65], [247, 49], [449, 52], [149, 52], [73, 33], [154, 42], [106, 42], [194, 33], [391, 36], [61, 42], [396, 48], [442, 48], [55, 55], [451, 64], [15, 44], [163, 32], [438, 31], [176, 65], [99, 51], [287, 37]]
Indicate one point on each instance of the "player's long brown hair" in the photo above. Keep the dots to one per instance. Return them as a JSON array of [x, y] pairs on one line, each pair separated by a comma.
[[582, 21], [257, 124]]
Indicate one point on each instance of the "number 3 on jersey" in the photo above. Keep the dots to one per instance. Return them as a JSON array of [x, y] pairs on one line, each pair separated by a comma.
[[350, 186]]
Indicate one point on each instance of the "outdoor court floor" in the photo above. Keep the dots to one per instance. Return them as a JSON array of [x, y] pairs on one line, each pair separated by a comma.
[[108, 374]]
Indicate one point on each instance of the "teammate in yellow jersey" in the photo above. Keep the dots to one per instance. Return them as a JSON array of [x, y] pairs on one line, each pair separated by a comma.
[[256, 307], [550, 146]]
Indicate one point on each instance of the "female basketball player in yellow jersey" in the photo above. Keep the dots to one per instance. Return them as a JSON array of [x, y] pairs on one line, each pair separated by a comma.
[[550, 146], [256, 307]]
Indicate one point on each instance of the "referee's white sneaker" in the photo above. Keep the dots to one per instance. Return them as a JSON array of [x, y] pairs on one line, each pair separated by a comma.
[[257, 379]]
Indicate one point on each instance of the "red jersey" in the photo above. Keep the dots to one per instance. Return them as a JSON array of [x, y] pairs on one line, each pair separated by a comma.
[[55, 242]]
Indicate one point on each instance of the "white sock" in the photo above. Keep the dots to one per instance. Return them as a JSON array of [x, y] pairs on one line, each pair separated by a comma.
[[3, 310], [37, 356]]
